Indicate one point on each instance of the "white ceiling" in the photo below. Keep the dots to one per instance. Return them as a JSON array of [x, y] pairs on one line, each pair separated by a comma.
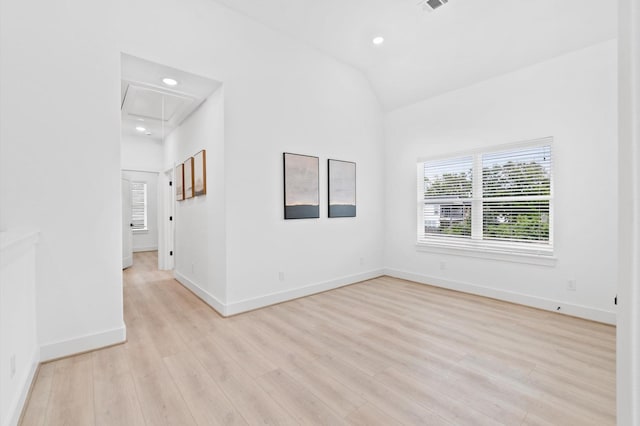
[[148, 103], [428, 53]]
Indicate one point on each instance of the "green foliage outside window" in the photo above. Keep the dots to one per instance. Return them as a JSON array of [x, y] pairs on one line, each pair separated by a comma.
[[526, 220]]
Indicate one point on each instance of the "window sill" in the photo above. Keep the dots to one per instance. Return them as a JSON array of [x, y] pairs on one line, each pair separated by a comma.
[[492, 253]]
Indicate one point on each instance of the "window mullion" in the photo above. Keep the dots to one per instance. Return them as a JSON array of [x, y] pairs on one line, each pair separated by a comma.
[[476, 209], [509, 192]]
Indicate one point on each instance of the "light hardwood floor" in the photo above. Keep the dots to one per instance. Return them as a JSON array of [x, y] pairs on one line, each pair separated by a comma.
[[385, 352]]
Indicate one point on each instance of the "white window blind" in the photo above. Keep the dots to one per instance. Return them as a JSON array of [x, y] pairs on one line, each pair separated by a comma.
[[139, 206], [498, 200], [448, 197], [516, 194]]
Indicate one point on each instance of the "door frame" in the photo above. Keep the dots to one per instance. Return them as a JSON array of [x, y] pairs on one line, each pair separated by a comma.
[[166, 220], [127, 233]]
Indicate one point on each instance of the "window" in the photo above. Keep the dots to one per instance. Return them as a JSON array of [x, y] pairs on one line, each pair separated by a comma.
[[139, 206], [497, 200]]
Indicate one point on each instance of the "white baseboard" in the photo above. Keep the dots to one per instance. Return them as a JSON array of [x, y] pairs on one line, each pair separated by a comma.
[[283, 296], [207, 297], [239, 307], [17, 405], [83, 344], [593, 314], [148, 248]]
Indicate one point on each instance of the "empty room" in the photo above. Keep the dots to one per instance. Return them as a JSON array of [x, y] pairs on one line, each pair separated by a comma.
[[387, 212]]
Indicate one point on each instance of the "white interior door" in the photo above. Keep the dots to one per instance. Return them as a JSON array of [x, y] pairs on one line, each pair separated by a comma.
[[127, 233], [170, 201], [166, 220]]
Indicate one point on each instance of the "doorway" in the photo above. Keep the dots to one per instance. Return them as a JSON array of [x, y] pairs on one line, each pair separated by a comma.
[[155, 101]]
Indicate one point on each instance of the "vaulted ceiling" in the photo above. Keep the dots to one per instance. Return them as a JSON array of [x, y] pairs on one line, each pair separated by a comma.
[[428, 53]]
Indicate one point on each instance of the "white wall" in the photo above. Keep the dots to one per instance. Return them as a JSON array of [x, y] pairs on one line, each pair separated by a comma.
[[141, 153], [142, 158], [60, 126], [146, 240], [573, 99], [60, 156], [279, 95], [628, 327], [200, 242], [18, 333], [326, 110]]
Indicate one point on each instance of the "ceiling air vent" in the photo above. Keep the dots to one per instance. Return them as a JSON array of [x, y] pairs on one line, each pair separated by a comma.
[[430, 5]]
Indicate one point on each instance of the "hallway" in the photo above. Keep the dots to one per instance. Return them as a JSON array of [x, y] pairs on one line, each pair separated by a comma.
[[382, 352]]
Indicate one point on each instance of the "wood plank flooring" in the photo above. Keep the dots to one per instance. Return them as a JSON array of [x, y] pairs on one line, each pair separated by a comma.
[[385, 352]]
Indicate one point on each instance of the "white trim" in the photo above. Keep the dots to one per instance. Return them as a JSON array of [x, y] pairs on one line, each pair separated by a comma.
[[283, 296], [485, 252], [628, 330], [476, 241], [14, 411], [166, 209], [593, 314], [206, 297], [15, 243], [489, 149], [145, 248], [140, 171], [127, 261], [82, 344], [245, 305]]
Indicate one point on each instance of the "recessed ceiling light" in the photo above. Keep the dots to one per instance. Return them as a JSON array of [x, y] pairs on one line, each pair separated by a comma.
[[148, 133], [169, 81], [378, 40], [141, 129]]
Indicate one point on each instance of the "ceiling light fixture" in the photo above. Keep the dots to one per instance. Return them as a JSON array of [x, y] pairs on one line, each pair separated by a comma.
[[141, 129], [169, 81], [148, 133], [378, 40]]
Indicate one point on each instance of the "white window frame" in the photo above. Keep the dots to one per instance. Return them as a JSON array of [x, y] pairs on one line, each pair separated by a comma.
[[476, 246], [145, 227]]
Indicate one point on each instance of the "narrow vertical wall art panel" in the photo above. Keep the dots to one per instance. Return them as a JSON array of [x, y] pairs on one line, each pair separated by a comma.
[[179, 180], [342, 188], [301, 186], [200, 173], [188, 178]]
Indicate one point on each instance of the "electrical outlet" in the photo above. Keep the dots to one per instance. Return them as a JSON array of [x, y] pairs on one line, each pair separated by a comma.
[[572, 285], [443, 266], [13, 365], [281, 276]]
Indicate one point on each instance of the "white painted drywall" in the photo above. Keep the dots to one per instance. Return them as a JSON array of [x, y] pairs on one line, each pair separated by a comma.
[[200, 242], [141, 153], [279, 95], [571, 98], [60, 163], [18, 333], [146, 240], [60, 138], [60, 116], [628, 328]]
